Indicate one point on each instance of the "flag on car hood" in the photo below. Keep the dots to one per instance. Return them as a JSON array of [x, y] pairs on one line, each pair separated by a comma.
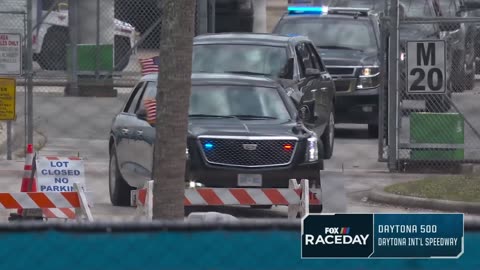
[[149, 65]]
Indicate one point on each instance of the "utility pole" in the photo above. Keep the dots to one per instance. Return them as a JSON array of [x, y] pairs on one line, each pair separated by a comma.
[[173, 98]]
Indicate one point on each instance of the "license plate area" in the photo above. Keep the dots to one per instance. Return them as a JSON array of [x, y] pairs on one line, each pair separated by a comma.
[[249, 180]]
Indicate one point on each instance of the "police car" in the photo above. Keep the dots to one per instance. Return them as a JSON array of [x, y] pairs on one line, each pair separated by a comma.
[[348, 40]]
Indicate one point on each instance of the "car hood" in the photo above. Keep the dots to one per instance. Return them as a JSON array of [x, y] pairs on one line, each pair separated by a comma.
[[237, 127], [340, 57]]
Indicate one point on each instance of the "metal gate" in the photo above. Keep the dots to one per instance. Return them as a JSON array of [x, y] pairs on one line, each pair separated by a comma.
[[432, 102]]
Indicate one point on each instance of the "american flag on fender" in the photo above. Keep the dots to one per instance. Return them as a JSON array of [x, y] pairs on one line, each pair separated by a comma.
[[149, 65], [151, 109]]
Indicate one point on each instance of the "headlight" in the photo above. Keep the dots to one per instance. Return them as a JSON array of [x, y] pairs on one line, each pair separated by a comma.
[[187, 154], [402, 56], [312, 149], [369, 78]]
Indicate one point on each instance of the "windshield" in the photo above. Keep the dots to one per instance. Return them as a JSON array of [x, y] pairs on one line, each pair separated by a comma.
[[349, 34], [232, 100], [235, 58], [237, 101]]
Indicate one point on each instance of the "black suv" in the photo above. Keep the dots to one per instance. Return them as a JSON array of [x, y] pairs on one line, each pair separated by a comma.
[[291, 61], [243, 132], [348, 40], [461, 37]]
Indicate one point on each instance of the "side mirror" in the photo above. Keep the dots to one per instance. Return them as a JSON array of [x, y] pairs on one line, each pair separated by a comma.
[[312, 72], [305, 110], [448, 27]]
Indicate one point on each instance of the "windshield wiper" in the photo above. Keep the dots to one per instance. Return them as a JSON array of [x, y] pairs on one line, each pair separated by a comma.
[[210, 116], [339, 47], [249, 116], [247, 73]]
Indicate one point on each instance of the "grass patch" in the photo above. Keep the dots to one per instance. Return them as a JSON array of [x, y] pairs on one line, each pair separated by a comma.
[[454, 188]]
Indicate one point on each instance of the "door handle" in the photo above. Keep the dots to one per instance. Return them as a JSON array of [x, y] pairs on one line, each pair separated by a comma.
[[314, 90], [125, 131], [323, 89]]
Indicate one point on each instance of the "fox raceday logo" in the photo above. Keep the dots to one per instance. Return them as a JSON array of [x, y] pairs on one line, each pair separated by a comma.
[[336, 236]]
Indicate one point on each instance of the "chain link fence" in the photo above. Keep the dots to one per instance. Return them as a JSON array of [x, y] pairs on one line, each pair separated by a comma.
[[81, 49], [433, 121]]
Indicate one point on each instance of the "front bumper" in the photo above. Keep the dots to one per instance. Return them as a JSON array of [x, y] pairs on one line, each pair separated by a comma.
[[272, 177], [357, 107]]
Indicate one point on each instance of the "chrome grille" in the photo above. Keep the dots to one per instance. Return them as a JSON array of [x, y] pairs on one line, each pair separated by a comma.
[[240, 152]]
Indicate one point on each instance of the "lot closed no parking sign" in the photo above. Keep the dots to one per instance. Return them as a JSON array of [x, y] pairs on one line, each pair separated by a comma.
[[58, 174]]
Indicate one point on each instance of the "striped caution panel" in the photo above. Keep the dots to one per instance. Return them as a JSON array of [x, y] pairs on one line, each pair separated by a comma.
[[39, 200], [240, 196]]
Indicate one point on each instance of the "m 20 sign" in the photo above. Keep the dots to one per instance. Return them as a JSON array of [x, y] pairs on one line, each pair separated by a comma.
[[426, 67]]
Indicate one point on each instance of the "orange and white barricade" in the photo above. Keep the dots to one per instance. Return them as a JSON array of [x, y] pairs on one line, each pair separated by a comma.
[[50, 200], [297, 197]]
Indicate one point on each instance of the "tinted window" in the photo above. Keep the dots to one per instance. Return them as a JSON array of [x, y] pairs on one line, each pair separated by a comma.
[[224, 58], [237, 100], [350, 34]]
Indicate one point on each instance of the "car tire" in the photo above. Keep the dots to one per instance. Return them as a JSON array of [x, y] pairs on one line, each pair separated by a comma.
[[328, 137], [54, 50], [373, 130], [118, 188], [315, 183]]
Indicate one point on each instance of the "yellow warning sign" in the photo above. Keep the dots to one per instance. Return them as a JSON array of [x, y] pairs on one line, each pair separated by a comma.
[[7, 98]]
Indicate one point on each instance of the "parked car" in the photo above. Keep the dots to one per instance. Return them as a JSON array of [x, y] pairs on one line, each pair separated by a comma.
[[243, 131], [348, 40], [290, 60]]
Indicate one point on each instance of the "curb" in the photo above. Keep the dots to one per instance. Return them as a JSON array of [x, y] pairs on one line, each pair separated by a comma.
[[380, 196]]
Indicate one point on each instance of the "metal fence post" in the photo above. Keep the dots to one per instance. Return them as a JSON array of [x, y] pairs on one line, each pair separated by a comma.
[[73, 29], [29, 74], [393, 56]]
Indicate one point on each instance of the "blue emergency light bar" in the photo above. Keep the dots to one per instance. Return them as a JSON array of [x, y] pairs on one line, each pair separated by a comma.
[[307, 10]]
